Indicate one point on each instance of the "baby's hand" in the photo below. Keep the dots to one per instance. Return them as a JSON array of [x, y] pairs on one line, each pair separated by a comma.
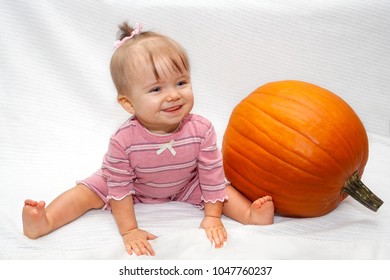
[[137, 241], [215, 230]]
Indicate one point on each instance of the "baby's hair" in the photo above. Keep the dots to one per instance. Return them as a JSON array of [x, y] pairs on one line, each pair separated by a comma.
[[149, 50], [125, 30]]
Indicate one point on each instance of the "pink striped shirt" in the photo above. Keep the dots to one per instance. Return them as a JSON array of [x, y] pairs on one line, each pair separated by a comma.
[[185, 165]]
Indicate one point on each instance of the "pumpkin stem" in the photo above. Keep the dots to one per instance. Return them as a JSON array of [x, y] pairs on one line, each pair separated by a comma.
[[355, 188]]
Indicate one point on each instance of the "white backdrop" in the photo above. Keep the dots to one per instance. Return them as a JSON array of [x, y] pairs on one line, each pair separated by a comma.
[[58, 109]]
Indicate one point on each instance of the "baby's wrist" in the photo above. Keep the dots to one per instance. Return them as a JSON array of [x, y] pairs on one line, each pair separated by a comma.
[[129, 231], [213, 216]]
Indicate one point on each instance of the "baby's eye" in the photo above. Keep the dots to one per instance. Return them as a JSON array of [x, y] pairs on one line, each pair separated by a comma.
[[182, 83], [155, 89]]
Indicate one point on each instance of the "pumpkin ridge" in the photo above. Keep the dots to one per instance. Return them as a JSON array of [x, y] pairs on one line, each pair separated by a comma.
[[298, 132], [336, 100], [349, 153], [309, 92], [281, 196], [237, 154], [288, 164], [256, 166]]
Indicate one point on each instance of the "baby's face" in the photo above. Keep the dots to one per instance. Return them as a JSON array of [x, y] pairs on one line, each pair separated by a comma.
[[161, 104]]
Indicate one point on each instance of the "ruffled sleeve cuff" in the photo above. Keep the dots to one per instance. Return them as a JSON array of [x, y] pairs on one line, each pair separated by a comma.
[[214, 196], [119, 194]]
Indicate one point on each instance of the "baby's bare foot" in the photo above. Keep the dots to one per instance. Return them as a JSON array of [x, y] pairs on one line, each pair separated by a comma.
[[35, 222], [262, 211]]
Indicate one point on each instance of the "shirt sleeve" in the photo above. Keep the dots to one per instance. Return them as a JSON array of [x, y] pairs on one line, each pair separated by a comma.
[[210, 168], [117, 169]]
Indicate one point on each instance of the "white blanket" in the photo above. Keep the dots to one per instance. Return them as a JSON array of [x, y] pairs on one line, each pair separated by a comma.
[[58, 109]]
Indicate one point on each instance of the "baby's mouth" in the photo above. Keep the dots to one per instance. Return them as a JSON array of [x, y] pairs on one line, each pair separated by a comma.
[[173, 108]]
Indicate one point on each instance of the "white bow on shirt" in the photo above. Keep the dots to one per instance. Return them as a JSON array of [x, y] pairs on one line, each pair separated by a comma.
[[168, 146]]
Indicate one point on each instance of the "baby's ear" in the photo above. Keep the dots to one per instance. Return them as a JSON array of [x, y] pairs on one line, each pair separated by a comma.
[[126, 104]]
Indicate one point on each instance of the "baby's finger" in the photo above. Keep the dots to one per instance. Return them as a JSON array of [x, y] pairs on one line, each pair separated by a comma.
[[224, 234], [151, 236], [135, 248], [148, 248], [217, 239], [209, 234], [221, 236], [129, 249], [143, 249], [140, 248]]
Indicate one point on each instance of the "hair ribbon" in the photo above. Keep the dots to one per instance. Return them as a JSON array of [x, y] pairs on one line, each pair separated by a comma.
[[135, 32]]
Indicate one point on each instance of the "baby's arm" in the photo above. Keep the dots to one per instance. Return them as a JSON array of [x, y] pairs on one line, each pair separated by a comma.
[[136, 240], [212, 224]]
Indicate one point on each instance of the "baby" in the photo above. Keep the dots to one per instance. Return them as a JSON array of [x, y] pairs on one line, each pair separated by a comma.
[[161, 153]]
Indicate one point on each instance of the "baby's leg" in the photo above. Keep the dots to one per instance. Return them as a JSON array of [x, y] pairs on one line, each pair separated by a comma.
[[239, 208], [39, 221]]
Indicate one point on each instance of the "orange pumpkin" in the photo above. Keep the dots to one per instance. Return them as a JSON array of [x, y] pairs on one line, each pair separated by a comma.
[[299, 143]]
